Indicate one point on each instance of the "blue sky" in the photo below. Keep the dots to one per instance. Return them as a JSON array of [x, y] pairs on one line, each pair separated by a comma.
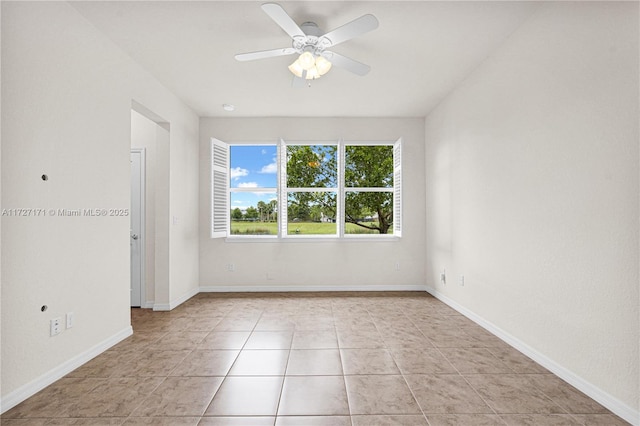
[[252, 166]]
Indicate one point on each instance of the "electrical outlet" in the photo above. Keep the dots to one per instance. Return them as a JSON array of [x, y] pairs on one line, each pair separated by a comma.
[[443, 277], [55, 326], [461, 280], [70, 319], [397, 266], [231, 267]]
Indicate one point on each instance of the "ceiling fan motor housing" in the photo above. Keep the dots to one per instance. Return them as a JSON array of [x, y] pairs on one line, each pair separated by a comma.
[[312, 41], [311, 29]]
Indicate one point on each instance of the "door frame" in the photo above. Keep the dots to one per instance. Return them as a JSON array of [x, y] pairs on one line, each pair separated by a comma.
[[143, 223]]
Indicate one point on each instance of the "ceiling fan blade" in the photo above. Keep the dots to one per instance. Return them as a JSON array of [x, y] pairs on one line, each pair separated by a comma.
[[265, 54], [353, 29], [280, 17], [347, 63]]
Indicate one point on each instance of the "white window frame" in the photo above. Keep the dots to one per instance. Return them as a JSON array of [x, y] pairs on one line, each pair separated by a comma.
[[221, 190], [266, 190], [395, 190], [285, 190]]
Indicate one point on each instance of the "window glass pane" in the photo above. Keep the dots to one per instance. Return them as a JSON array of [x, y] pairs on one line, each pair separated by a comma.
[[368, 166], [312, 166], [254, 213], [253, 166], [311, 213], [368, 212]]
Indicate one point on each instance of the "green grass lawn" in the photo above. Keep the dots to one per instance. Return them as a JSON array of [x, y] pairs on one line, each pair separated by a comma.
[[295, 228], [254, 228]]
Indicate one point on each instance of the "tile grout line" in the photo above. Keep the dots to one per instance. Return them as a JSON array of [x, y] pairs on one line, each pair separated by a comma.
[[339, 349]]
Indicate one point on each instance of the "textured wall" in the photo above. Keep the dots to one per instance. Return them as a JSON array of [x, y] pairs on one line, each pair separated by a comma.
[[532, 177]]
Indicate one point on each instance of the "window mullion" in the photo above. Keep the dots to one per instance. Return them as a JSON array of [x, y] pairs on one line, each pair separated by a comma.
[[340, 213], [313, 189], [250, 189], [284, 191], [364, 189]]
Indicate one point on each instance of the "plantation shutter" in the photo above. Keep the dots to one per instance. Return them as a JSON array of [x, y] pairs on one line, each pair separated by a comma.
[[282, 195], [219, 188], [397, 188]]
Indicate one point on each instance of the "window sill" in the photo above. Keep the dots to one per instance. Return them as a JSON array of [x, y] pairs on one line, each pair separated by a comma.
[[319, 239]]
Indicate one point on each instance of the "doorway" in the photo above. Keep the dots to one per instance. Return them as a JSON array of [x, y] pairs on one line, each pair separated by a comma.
[[137, 228], [150, 251]]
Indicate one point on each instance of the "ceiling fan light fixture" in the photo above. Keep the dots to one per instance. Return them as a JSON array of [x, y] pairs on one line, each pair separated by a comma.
[[319, 66], [307, 60], [322, 65], [312, 73], [296, 68]]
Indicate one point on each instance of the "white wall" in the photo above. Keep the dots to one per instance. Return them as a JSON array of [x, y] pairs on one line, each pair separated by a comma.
[[67, 94], [532, 193], [329, 265]]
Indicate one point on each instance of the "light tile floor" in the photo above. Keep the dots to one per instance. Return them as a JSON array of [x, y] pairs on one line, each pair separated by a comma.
[[309, 359]]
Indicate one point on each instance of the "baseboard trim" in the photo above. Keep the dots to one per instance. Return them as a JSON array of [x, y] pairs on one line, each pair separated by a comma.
[[23, 392], [177, 302], [613, 404], [324, 288]]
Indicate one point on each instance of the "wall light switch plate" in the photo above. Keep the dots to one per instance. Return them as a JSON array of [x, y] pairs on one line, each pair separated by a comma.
[[71, 319]]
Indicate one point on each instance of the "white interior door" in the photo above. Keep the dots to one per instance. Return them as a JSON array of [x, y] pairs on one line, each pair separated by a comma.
[[137, 226]]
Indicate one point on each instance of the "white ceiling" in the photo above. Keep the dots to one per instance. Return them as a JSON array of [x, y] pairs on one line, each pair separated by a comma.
[[419, 53]]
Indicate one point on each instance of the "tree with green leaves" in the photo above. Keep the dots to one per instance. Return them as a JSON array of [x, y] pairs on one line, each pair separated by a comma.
[[273, 210], [311, 166], [236, 214], [366, 166], [369, 167], [262, 210], [251, 213]]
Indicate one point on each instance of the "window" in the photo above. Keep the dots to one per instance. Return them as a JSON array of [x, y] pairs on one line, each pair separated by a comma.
[[310, 189], [368, 189], [253, 190], [295, 190]]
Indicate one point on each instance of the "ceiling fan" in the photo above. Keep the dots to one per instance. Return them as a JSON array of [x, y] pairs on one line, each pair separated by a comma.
[[315, 59]]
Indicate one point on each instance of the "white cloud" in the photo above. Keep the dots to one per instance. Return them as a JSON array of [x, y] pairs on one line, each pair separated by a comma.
[[270, 168], [248, 185], [238, 172]]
